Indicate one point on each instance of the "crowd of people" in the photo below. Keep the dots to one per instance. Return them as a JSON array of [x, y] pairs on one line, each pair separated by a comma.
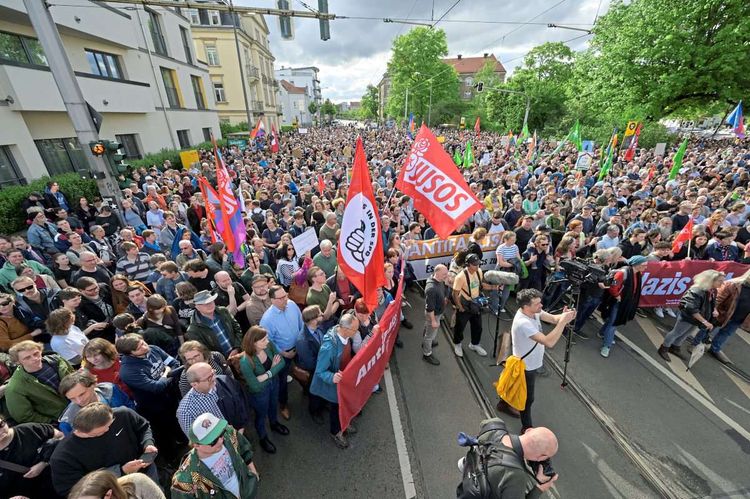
[[136, 334]]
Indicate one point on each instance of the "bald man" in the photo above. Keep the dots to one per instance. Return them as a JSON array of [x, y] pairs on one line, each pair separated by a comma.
[[436, 298]]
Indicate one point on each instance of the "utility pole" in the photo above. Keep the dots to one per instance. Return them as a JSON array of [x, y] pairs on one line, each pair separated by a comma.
[[46, 31], [406, 103], [236, 19]]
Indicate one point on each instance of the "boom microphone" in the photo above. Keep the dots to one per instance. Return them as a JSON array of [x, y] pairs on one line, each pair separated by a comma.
[[496, 277]]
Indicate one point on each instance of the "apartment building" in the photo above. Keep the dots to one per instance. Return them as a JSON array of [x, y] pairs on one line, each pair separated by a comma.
[[305, 77], [294, 103], [136, 66]]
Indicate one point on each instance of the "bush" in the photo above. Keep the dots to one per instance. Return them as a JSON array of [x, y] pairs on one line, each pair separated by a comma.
[[13, 219], [173, 155], [287, 128]]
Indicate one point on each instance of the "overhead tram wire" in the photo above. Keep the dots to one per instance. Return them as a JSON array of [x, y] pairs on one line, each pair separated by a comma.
[[446, 13]]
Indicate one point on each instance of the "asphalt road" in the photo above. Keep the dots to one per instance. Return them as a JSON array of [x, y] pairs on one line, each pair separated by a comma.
[[629, 426]]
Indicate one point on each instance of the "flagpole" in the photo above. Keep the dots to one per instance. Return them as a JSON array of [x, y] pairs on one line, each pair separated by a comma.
[[722, 121], [690, 241]]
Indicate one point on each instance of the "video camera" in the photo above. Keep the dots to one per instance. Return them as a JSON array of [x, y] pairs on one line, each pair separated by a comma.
[[580, 271]]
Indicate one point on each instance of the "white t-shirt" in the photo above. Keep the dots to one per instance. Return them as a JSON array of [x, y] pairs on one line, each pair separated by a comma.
[[522, 330], [69, 346], [220, 465]]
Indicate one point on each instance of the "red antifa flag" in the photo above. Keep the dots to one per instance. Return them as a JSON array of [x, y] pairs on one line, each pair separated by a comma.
[[274, 140], [438, 189], [360, 243], [684, 236], [630, 152], [366, 368], [321, 184], [664, 283]]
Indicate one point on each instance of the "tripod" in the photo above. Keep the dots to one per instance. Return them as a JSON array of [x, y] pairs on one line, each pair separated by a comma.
[[573, 296]]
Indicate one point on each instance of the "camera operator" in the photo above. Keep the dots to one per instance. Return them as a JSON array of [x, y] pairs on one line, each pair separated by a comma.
[[467, 288], [538, 260], [592, 292], [622, 300]]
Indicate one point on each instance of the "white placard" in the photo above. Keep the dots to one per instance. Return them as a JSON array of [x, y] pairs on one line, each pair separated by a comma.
[[660, 148], [305, 241], [302, 131], [584, 160]]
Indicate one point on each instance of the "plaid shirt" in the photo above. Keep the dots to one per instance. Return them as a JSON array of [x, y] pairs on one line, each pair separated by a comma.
[[217, 327], [195, 403]]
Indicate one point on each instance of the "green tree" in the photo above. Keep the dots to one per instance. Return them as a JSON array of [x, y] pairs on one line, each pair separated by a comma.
[[370, 102], [416, 66], [328, 109], [313, 108]]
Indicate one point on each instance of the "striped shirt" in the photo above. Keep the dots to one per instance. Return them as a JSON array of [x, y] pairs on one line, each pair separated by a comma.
[[138, 270], [195, 403], [507, 252]]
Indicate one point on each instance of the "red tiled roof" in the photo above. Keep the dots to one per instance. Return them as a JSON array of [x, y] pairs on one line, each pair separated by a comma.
[[472, 65], [291, 89]]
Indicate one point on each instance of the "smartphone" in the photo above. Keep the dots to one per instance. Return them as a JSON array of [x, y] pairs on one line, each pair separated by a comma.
[[148, 457]]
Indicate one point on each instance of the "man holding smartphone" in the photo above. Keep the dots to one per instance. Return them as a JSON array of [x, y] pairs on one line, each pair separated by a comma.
[[283, 321]]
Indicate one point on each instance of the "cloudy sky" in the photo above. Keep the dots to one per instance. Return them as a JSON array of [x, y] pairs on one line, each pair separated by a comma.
[[358, 51]]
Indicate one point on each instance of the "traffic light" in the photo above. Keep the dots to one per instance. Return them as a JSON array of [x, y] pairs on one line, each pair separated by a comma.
[[285, 22], [97, 148], [325, 28]]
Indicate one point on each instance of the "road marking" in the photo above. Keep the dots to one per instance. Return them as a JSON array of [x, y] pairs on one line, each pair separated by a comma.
[[677, 365], [744, 335], [398, 431], [689, 389], [696, 464], [738, 406]]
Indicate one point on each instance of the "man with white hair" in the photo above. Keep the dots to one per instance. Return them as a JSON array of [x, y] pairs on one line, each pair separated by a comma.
[[329, 229], [187, 253], [326, 259]]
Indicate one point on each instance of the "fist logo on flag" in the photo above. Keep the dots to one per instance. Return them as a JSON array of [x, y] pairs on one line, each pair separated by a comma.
[[359, 231]]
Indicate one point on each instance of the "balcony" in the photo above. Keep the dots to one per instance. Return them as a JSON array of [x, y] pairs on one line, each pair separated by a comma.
[[252, 72], [257, 106]]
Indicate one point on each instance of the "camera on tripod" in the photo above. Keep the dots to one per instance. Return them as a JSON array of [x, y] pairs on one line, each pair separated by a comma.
[[580, 271]]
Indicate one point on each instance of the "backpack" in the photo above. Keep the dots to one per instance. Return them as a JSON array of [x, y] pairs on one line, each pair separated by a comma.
[[511, 385], [482, 456]]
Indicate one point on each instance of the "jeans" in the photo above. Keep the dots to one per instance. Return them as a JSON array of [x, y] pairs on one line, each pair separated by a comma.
[[526, 412], [429, 335], [283, 388], [585, 310], [720, 335], [608, 328], [266, 405], [681, 330], [498, 298], [476, 327], [335, 424]]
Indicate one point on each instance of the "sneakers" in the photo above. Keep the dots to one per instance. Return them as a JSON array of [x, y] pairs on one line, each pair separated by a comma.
[[340, 440], [478, 349], [407, 324], [659, 312], [677, 351], [572, 338], [458, 350], [581, 335], [430, 359], [670, 312], [279, 428], [351, 430], [604, 352], [502, 406], [664, 353], [720, 356]]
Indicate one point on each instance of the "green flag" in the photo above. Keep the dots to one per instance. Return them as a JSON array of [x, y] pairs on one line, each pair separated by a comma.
[[457, 157], [524, 133], [607, 165], [468, 156], [575, 136], [677, 161]]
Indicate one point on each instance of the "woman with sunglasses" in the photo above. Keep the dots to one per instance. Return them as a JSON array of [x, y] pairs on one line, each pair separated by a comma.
[[15, 324]]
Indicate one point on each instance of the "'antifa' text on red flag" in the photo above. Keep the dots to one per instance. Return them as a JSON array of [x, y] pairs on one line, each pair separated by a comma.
[[366, 368], [360, 247], [684, 236], [439, 190]]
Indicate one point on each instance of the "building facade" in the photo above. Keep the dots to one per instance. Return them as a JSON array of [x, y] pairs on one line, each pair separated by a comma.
[[306, 77], [136, 67], [213, 34], [468, 67], [384, 89], [294, 103]]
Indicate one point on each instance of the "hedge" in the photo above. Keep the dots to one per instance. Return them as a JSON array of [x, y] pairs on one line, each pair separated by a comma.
[[173, 155], [13, 219]]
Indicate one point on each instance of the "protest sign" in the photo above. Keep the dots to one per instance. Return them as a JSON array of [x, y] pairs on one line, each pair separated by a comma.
[[660, 148], [188, 158], [305, 242]]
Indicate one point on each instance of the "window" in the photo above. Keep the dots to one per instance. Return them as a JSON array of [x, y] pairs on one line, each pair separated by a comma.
[[160, 46], [212, 55], [193, 15], [62, 155], [183, 136], [103, 64], [207, 134], [200, 97], [214, 18], [170, 85], [186, 42], [219, 94], [129, 143], [469, 81], [9, 174], [23, 49]]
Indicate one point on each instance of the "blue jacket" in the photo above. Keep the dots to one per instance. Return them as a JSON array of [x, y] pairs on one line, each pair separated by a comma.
[[308, 346], [716, 251], [329, 362], [106, 392], [43, 238], [144, 376]]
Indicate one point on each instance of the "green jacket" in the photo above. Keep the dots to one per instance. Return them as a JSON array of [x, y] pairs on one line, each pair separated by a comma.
[[30, 401], [251, 372], [193, 479], [8, 272], [199, 331]]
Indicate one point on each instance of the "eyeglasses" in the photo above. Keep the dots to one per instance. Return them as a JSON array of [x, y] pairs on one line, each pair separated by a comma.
[[3, 424], [92, 290], [5, 303], [280, 297], [23, 290]]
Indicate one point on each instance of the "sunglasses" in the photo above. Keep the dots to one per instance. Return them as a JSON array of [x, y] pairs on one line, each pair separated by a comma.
[[23, 290], [215, 441], [5, 303]]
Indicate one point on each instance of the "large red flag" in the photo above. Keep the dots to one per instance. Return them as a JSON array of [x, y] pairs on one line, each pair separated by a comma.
[[360, 245], [438, 189], [684, 236], [321, 184], [477, 128], [274, 140]]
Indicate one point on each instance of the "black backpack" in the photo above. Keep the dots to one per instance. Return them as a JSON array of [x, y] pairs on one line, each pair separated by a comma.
[[482, 456]]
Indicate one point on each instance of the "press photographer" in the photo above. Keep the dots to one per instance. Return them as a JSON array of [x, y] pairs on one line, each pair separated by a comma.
[[592, 291], [469, 302]]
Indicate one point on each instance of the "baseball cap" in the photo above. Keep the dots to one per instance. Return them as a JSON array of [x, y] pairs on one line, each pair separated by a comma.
[[203, 297], [472, 259], [206, 429]]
